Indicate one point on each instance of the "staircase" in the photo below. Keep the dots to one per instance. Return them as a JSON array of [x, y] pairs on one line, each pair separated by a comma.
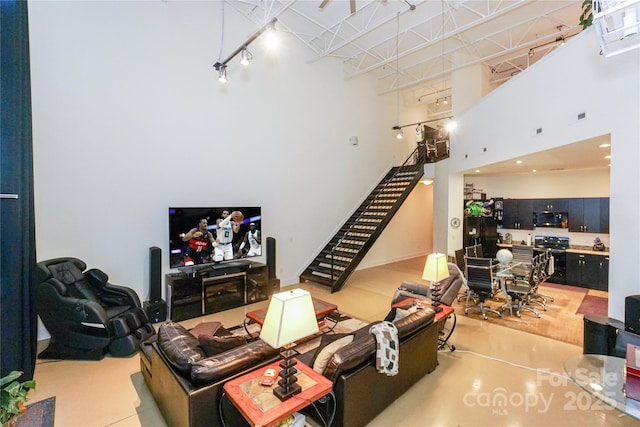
[[340, 257]]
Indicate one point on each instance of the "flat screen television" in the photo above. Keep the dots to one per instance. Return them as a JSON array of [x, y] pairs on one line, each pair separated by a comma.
[[235, 241]]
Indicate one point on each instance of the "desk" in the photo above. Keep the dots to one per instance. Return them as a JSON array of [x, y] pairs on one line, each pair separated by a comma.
[[261, 407], [603, 378]]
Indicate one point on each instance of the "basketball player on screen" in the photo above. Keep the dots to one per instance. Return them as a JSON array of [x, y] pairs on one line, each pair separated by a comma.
[[225, 229], [200, 244], [253, 238]]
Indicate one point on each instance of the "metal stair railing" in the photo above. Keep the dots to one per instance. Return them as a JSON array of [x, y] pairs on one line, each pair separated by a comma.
[[414, 162]]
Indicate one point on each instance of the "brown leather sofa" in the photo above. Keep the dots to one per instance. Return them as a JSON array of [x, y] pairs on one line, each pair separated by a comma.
[[187, 387], [361, 392]]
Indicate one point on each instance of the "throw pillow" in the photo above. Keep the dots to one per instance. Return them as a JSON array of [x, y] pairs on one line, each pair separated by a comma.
[[205, 328], [325, 340], [328, 351], [216, 345], [398, 313]]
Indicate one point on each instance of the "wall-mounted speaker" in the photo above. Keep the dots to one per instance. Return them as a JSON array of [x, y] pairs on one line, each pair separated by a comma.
[[271, 257], [155, 274], [632, 314]]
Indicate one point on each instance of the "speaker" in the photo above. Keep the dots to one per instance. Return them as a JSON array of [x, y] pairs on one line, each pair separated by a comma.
[[156, 310], [271, 257], [599, 336], [155, 272], [632, 314]]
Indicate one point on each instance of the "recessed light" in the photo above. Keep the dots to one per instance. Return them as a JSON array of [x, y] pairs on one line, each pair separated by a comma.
[[477, 170], [534, 171], [608, 156], [604, 145], [518, 162]]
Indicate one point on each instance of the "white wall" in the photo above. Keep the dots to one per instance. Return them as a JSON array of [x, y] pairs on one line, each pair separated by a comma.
[[129, 119], [550, 94]]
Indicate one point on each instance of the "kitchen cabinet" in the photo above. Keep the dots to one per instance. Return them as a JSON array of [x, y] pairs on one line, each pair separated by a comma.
[[589, 215], [550, 205], [588, 271], [518, 214]]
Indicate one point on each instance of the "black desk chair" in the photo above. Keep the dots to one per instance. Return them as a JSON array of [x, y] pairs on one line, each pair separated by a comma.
[[480, 280], [521, 290]]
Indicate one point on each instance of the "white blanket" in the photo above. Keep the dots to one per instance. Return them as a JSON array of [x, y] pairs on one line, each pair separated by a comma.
[[387, 347]]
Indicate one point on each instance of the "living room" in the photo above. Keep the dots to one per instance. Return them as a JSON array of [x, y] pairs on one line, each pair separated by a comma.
[[122, 134]]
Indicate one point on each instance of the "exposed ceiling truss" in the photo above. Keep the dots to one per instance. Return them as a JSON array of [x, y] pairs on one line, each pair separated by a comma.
[[434, 38]]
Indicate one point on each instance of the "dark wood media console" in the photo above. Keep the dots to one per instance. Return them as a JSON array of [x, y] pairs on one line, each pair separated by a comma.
[[217, 288]]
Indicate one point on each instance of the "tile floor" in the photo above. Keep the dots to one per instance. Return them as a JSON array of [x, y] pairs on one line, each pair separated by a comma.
[[490, 361]]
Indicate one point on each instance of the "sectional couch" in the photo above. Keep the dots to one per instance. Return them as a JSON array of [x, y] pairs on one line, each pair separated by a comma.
[[188, 386]]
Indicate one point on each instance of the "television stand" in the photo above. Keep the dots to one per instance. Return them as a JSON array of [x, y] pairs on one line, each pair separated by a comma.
[[219, 288]]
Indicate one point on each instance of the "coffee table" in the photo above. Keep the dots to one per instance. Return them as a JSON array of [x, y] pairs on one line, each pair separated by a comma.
[[322, 308]]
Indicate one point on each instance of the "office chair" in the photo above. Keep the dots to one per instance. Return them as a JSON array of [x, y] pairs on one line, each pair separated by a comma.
[[522, 253], [480, 280], [86, 315], [520, 291]]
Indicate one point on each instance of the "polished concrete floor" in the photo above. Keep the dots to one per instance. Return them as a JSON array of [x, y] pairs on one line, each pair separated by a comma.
[[497, 376]]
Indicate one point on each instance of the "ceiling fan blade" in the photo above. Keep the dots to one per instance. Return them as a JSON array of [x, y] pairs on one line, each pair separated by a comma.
[[323, 4], [352, 5]]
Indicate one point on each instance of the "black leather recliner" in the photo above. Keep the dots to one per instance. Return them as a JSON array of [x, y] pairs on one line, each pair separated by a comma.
[[85, 314]]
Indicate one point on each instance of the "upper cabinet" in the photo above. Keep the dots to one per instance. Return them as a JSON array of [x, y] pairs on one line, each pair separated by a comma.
[[550, 205], [589, 215], [518, 214], [586, 215]]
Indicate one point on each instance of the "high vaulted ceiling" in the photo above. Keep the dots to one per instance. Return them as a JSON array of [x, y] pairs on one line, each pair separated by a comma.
[[414, 45]]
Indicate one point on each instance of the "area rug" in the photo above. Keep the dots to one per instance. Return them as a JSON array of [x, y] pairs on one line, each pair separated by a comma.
[[595, 305], [39, 414], [561, 321]]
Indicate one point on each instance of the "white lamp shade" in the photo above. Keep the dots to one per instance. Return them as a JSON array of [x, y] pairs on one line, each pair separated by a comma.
[[436, 268], [290, 317]]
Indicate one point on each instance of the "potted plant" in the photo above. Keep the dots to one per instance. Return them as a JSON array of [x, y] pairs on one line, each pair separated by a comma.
[[13, 395]]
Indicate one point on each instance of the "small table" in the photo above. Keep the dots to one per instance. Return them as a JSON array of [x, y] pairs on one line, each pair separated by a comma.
[[261, 407], [322, 308], [603, 378]]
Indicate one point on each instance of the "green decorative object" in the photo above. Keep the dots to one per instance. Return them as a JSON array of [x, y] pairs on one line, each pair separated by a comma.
[[13, 395], [586, 18]]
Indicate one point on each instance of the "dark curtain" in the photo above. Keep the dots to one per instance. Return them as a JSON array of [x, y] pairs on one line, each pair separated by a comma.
[[18, 327]]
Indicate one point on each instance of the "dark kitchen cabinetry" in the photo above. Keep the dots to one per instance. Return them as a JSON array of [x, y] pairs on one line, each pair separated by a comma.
[[588, 271], [217, 289], [550, 205], [518, 214], [589, 215]]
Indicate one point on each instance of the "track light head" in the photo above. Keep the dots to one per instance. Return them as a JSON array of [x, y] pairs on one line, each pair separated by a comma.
[[222, 77], [245, 57]]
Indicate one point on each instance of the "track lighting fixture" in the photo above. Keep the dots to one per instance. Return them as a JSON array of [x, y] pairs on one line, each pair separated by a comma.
[[449, 125], [245, 55], [222, 77], [399, 132]]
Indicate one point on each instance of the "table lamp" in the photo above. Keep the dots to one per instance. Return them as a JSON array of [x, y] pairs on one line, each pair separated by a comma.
[[290, 317], [435, 270]]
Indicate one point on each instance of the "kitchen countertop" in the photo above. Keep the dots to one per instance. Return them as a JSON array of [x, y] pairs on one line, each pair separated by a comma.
[[586, 250]]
